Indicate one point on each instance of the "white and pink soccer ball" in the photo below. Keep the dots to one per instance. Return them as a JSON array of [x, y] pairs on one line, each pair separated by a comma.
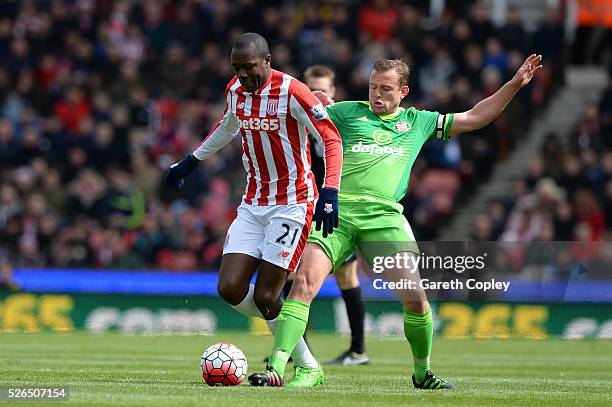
[[223, 364]]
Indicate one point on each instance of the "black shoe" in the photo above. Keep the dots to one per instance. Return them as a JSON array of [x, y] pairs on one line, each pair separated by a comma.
[[433, 382], [268, 378], [349, 358]]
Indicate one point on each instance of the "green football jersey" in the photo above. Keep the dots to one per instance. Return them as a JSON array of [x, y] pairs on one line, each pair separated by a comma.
[[379, 151]]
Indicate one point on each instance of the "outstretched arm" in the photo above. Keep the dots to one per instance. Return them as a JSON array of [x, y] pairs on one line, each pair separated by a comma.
[[488, 109]]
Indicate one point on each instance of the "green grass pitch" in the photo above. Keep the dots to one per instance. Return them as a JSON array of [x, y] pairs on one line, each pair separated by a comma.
[[163, 370]]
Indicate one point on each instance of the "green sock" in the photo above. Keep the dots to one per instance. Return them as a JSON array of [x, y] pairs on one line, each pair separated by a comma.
[[290, 327], [418, 329]]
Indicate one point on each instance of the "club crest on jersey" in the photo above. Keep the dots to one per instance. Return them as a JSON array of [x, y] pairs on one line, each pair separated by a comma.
[[401, 126], [382, 137], [272, 106], [319, 112]]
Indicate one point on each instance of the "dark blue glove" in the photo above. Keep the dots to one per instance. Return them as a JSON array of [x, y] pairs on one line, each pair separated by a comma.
[[176, 174], [326, 211]]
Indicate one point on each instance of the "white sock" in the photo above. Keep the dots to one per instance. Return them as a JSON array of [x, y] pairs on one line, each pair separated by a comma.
[[247, 306], [301, 354]]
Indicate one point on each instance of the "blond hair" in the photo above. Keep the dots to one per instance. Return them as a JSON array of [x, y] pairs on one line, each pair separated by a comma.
[[400, 66]]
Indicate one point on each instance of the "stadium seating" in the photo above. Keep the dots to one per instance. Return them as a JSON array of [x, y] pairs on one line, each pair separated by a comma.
[[97, 99]]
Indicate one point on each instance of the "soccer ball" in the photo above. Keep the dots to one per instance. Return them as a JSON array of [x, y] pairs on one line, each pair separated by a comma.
[[223, 364]]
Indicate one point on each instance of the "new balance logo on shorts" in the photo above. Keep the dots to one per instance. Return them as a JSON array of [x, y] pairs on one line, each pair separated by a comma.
[[284, 254]]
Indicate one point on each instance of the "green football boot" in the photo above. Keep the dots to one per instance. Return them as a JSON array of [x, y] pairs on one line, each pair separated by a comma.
[[306, 377]]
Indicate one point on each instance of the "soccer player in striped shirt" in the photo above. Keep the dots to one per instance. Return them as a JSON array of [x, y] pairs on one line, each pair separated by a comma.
[[273, 113]]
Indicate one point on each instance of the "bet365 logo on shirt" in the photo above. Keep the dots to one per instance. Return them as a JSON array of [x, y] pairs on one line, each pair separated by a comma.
[[256, 123], [381, 138]]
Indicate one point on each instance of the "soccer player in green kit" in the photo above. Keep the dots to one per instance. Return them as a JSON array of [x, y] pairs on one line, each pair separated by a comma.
[[381, 141]]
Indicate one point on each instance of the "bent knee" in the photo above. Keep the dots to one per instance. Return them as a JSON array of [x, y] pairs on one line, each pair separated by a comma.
[[304, 289], [265, 299], [232, 292]]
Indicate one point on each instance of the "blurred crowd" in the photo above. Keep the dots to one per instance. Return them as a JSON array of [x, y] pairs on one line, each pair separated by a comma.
[[97, 98], [567, 192]]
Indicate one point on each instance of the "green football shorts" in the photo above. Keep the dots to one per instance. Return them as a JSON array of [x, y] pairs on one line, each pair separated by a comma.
[[375, 228]]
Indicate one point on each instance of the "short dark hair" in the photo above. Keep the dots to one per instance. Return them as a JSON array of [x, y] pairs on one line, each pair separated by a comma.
[[399, 65], [319, 71], [254, 41]]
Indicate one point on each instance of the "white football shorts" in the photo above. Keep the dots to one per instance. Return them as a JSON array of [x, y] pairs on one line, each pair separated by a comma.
[[276, 233]]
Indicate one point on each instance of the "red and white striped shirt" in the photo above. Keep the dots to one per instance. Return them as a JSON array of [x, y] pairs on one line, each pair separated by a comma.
[[274, 122]]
